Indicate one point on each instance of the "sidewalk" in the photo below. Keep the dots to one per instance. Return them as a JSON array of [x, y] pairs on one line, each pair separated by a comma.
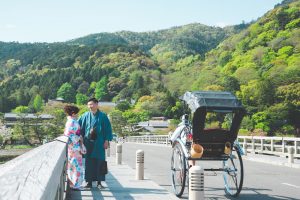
[[121, 184], [272, 159]]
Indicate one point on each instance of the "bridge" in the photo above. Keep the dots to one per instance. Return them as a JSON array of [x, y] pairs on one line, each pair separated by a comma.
[[40, 173]]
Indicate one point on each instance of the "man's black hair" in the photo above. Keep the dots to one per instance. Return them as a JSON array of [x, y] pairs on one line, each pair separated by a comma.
[[93, 100]]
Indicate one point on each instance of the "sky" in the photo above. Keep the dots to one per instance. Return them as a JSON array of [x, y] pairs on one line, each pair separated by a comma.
[[62, 20]]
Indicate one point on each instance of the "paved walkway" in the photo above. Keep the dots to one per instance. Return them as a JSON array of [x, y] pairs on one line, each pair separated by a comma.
[[121, 185]]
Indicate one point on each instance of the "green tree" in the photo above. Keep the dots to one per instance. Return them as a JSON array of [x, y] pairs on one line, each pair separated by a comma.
[[132, 116], [83, 88], [261, 121], [178, 110], [224, 58], [38, 128], [21, 109], [289, 93], [37, 103], [66, 92], [21, 131], [247, 123], [101, 89], [230, 83], [81, 99], [123, 105], [118, 123], [92, 88], [293, 117]]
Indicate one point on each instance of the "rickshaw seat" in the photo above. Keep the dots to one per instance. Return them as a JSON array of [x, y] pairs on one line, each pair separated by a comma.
[[213, 141]]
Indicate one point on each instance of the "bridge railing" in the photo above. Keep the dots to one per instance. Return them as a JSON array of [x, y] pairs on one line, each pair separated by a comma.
[[37, 174], [268, 145]]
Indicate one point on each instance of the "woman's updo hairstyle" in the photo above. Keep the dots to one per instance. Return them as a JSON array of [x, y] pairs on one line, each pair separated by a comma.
[[69, 110]]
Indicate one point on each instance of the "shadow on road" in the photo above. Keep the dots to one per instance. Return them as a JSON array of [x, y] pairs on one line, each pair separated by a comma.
[[247, 193]]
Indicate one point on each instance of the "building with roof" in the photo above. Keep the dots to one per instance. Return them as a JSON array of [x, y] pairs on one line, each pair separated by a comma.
[[10, 119], [153, 125]]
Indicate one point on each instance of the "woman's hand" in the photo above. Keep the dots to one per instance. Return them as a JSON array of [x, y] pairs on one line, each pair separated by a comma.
[[105, 145]]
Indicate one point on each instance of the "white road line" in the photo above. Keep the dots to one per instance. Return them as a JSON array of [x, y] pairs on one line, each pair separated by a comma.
[[290, 185]]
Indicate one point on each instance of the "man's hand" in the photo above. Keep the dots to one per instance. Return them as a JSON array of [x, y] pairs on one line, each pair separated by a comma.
[[105, 144]]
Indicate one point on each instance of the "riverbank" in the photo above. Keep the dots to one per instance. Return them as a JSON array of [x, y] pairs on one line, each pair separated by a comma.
[[8, 154]]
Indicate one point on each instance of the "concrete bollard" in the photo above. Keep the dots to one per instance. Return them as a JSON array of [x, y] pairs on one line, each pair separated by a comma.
[[196, 183], [119, 154], [290, 155], [139, 175]]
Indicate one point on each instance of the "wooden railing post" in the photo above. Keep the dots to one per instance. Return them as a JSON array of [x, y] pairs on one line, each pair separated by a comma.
[[253, 145], [296, 147], [261, 144], [272, 145], [283, 146], [291, 155], [244, 143]]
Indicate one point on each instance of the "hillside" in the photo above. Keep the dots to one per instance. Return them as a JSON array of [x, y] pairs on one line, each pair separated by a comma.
[[115, 55], [192, 38], [259, 62]]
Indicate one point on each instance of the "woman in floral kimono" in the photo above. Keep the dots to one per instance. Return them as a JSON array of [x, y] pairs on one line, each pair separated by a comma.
[[75, 148]]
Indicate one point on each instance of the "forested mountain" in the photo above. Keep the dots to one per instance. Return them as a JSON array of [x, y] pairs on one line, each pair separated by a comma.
[[119, 56], [261, 65], [259, 62], [191, 37]]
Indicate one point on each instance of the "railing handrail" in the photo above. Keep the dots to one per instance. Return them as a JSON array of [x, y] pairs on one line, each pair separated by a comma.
[[36, 174], [258, 144]]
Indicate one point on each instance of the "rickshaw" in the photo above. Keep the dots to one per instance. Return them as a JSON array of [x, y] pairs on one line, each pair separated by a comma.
[[216, 117]]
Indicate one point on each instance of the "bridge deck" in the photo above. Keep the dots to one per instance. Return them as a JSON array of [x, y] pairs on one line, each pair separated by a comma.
[[121, 184]]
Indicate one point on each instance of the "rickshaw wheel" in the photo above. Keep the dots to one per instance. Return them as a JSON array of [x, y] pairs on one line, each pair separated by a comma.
[[233, 173], [178, 169]]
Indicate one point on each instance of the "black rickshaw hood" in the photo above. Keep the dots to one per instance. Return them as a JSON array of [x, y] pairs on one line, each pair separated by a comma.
[[211, 100]]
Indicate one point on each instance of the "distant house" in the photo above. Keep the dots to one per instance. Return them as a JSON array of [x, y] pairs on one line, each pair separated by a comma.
[[107, 103], [54, 101], [153, 125], [158, 118], [10, 119], [59, 99]]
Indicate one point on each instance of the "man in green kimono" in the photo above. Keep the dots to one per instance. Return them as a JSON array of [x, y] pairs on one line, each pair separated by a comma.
[[96, 132]]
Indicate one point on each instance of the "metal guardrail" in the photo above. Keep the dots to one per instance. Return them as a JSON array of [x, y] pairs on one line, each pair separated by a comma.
[[37, 174], [267, 145]]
